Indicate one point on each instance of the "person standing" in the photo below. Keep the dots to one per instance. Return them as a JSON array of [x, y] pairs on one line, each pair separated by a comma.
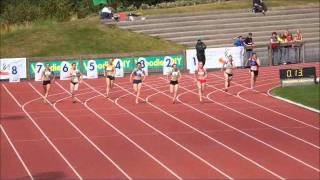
[[227, 67], [248, 44], [200, 77], [137, 77], [201, 47], [109, 73], [254, 63], [174, 82], [47, 78], [76, 78]]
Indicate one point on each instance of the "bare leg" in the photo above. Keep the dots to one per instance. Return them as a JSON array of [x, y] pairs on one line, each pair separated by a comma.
[[199, 91], [47, 92], [138, 92], [252, 80], [176, 87], [44, 92], [171, 87], [226, 82], [108, 87], [72, 92]]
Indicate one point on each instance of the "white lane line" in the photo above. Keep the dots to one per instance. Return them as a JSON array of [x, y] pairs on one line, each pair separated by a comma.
[[17, 153], [209, 137], [252, 137], [80, 132], [125, 136], [172, 140], [274, 111], [44, 135]]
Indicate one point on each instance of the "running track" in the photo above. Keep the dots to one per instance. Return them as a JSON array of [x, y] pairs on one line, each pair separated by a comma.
[[242, 134]]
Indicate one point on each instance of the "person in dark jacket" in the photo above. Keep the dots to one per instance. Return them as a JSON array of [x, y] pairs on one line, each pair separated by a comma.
[[259, 6], [201, 47]]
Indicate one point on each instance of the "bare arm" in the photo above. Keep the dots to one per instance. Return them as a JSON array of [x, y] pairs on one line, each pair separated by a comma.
[[131, 75]]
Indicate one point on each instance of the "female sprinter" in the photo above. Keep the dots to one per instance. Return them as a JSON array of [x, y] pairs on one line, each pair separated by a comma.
[[174, 84], [76, 78], [254, 63], [47, 78], [227, 68], [109, 73], [138, 76], [200, 76]]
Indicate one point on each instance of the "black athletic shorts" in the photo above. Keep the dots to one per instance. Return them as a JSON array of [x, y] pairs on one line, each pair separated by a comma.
[[46, 82], [174, 82], [135, 81], [111, 78], [255, 72]]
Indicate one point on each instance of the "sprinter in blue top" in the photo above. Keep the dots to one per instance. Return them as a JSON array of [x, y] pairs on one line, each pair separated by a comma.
[[254, 63], [136, 77]]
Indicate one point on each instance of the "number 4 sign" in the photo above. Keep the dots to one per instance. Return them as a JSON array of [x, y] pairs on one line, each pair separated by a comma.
[[119, 68]]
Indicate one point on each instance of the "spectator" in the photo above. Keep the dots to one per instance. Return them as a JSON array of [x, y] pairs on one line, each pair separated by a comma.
[[259, 6], [274, 45], [285, 46], [238, 41], [248, 43], [298, 36], [201, 47], [106, 13]]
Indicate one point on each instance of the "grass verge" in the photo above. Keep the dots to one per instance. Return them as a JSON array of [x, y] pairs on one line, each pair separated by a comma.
[[307, 95]]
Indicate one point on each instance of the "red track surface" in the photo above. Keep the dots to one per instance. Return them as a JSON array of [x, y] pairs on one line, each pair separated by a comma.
[[242, 134]]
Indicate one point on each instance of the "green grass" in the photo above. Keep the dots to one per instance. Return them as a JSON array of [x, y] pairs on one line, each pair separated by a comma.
[[224, 5], [306, 95], [80, 37]]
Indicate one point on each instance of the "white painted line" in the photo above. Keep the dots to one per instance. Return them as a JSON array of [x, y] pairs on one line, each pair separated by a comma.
[[252, 137], [121, 133], [80, 132], [44, 135], [17, 153], [172, 140], [209, 137]]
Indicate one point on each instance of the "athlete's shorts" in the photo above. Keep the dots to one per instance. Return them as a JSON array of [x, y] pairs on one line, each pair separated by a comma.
[[229, 75], [111, 78], [46, 82], [255, 72], [135, 81], [174, 82], [75, 85], [202, 81]]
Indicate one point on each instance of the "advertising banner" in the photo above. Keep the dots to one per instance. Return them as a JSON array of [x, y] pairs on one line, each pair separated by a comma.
[[13, 67], [213, 56]]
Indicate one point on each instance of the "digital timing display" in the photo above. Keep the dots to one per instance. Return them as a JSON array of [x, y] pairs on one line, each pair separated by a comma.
[[307, 72]]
